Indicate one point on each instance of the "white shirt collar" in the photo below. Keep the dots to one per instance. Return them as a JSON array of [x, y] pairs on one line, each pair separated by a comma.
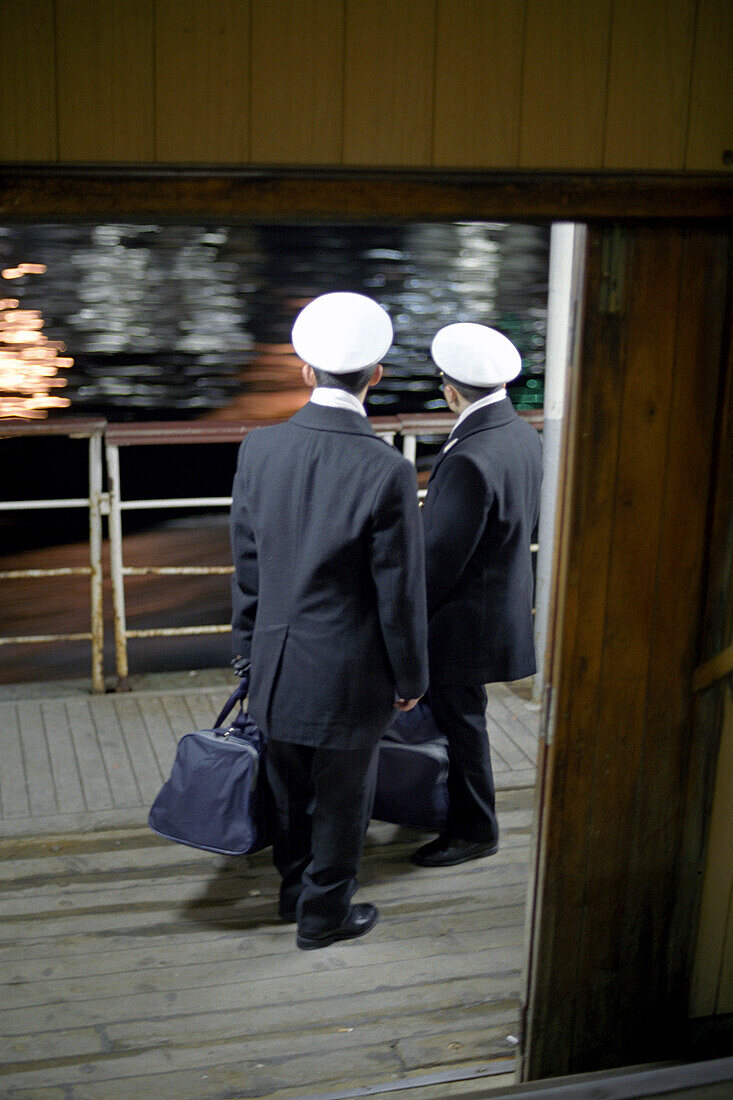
[[480, 404], [337, 399]]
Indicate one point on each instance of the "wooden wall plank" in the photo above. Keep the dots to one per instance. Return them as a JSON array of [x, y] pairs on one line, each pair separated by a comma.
[[711, 772], [649, 83], [578, 657], [104, 56], [712, 982], [297, 81], [711, 102], [627, 632], [566, 55], [202, 81], [478, 83], [606, 987], [389, 77], [364, 196], [28, 82], [665, 751], [722, 864]]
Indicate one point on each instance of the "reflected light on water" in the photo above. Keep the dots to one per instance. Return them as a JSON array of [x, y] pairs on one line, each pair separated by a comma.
[[194, 320], [29, 362]]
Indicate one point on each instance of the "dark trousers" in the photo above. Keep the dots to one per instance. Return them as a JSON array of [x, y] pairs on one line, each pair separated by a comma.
[[460, 713], [323, 803]]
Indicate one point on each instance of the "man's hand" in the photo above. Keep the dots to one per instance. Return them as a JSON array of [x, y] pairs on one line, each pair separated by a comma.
[[407, 704]]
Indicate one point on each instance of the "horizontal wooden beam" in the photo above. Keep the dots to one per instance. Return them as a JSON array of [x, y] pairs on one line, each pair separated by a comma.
[[39, 191]]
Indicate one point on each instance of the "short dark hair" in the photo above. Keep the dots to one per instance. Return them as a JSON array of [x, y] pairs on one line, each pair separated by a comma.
[[353, 382], [471, 393]]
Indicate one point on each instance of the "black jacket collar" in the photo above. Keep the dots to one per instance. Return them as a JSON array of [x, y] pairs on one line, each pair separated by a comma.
[[327, 419], [482, 420]]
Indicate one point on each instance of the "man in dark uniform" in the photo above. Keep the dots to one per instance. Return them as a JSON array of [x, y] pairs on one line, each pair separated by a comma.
[[329, 606], [480, 511]]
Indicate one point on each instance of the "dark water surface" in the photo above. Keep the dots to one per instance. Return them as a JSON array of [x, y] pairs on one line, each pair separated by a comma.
[[182, 322], [179, 321]]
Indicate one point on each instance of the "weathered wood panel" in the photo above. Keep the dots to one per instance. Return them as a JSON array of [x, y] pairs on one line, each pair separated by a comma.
[[707, 849], [202, 81], [133, 967], [566, 56], [389, 78], [104, 60], [407, 82], [606, 985], [711, 103], [683, 542], [297, 81], [366, 196], [478, 83], [564, 836], [649, 84], [28, 81]]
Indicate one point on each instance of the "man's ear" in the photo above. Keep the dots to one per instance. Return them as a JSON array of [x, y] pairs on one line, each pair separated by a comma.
[[451, 396], [377, 376], [308, 376]]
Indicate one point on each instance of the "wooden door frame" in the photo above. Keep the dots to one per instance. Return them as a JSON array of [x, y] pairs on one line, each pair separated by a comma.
[[703, 202]]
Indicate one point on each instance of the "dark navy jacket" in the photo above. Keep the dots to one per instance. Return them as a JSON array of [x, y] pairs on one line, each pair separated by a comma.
[[480, 512], [329, 590]]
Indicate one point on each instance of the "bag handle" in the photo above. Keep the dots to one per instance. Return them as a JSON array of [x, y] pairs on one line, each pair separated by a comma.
[[238, 696]]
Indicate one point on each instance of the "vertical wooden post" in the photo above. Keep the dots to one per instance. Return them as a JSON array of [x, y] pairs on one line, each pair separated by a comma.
[[632, 584]]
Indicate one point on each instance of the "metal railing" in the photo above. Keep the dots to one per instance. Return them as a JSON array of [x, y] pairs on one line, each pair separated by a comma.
[[157, 434], [411, 428], [91, 430]]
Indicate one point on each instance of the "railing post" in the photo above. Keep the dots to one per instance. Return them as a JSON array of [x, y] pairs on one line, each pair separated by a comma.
[[409, 446], [95, 561], [115, 557], [565, 276]]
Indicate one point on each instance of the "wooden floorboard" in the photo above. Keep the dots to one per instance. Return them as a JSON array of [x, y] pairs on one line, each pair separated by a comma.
[[76, 761], [135, 968]]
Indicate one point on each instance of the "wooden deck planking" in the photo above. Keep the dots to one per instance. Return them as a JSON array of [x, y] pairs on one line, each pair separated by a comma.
[[41, 792], [149, 775], [521, 727], [85, 762], [93, 773], [64, 765], [13, 789], [134, 967]]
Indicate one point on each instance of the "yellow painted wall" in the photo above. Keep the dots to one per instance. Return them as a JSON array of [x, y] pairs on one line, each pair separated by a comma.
[[561, 84]]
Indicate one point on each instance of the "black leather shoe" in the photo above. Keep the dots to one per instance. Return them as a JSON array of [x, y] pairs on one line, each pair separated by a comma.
[[288, 915], [360, 919], [447, 852]]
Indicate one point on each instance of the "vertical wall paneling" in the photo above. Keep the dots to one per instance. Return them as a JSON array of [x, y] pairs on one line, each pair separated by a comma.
[[665, 746], [577, 656], [712, 983], [104, 56], [627, 645], [388, 96], [564, 84], [478, 78], [297, 81], [712, 978], [606, 989], [27, 81], [202, 81], [724, 1004], [649, 83], [711, 98]]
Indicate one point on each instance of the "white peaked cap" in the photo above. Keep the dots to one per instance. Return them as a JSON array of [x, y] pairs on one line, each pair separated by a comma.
[[342, 332], [476, 355]]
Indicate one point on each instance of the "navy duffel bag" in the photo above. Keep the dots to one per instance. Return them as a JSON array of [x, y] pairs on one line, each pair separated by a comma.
[[217, 796], [412, 780]]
